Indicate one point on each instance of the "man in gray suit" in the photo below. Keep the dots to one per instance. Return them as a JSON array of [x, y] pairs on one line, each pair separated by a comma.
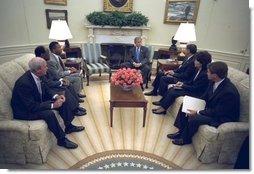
[[56, 67]]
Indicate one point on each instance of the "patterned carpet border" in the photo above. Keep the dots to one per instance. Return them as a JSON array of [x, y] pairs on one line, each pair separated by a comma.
[[122, 154]]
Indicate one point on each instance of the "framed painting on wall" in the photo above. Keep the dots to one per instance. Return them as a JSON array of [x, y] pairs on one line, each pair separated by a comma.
[[56, 2], [55, 15], [118, 5], [181, 11]]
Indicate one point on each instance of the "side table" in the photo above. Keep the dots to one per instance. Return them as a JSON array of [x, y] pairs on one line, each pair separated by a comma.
[[73, 51], [164, 65], [75, 62], [166, 53]]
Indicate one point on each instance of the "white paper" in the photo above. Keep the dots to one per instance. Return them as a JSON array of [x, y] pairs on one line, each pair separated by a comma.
[[192, 103]]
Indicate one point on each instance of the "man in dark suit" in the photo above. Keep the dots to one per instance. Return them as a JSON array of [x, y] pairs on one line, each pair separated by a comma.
[[139, 59], [33, 100], [183, 73], [194, 87], [222, 105], [60, 86]]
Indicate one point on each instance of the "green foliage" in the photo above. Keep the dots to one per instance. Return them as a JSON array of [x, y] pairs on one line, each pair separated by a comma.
[[117, 18], [136, 19]]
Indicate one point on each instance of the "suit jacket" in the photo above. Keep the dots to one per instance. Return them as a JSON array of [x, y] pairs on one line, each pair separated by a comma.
[[55, 69], [26, 99], [197, 85], [186, 70], [143, 55], [223, 104]]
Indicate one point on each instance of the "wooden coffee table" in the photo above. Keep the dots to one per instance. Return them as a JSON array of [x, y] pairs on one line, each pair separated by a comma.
[[119, 98]]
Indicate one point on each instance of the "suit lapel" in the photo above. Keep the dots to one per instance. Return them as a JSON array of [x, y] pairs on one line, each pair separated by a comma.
[[217, 90], [35, 86]]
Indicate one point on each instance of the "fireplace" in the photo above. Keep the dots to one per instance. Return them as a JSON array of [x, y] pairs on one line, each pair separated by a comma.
[[115, 41], [117, 53]]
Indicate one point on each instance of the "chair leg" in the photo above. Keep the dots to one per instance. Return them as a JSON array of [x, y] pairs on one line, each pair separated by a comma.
[[110, 74], [87, 79]]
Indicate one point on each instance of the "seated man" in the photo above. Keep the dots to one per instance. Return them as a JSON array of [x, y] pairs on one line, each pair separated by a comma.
[[183, 73], [194, 87], [222, 105], [60, 86], [57, 68], [139, 59], [33, 100]]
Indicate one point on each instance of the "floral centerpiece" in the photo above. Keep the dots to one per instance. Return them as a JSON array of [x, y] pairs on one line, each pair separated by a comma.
[[127, 78]]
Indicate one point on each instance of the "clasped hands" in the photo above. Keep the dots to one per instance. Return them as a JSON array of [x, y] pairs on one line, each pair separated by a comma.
[[137, 65], [59, 100]]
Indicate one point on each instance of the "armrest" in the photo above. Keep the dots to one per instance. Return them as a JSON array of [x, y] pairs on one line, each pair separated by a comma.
[[231, 128], [103, 57]]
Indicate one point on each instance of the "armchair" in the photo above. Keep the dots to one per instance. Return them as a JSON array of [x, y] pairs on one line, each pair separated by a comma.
[[94, 62], [151, 54]]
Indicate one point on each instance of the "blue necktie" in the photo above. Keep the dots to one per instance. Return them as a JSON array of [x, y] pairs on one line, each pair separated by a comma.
[[137, 54]]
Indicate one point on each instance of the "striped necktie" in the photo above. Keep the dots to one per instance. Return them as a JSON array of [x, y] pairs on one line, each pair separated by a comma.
[[137, 54]]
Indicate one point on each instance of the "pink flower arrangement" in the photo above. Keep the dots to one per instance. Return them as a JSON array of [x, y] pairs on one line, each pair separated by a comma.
[[126, 77]]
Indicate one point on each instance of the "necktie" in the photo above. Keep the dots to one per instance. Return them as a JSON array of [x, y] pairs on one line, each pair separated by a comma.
[[137, 54], [61, 62], [39, 86]]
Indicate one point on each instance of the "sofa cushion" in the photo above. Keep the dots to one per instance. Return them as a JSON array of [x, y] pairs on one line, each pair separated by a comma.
[[235, 75], [10, 72], [5, 98], [244, 91], [23, 61]]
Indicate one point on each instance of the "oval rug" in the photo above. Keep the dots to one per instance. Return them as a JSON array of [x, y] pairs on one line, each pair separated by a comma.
[[124, 160]]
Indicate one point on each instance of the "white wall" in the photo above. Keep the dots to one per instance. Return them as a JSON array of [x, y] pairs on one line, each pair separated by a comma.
[[222, 25]]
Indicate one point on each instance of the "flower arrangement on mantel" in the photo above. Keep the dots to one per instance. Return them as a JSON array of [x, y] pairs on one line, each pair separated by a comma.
[[117, 18], [127, 77]]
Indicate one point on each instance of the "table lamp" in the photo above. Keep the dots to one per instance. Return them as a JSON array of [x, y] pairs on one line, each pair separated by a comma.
[[60, 31], [185, 34]]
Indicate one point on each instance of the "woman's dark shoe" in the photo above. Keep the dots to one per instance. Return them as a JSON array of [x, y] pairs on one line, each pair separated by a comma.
[[160, 113], [79, 113], [157, 103], [151, 93], [174, 135], [155, 109]]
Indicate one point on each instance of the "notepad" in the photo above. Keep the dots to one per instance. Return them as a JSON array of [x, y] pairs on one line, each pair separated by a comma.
[[193, 104]]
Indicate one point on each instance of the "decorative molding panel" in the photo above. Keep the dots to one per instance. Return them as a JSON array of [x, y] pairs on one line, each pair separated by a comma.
[[110, 34]]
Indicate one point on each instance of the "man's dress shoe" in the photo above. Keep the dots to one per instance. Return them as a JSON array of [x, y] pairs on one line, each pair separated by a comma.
[[180, 142], [80, 100], [73, 128], [159, 113], [174, 135], [81, 95], [79, 113], [151, 93], [67, 143], [157, 103], [81, 109]]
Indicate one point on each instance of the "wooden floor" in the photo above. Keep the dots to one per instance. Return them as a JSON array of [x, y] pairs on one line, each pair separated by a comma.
[[127, 133]]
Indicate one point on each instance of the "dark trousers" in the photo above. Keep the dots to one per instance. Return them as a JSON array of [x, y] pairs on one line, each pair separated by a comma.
[[170, 96], [164, 82], [188, 126]]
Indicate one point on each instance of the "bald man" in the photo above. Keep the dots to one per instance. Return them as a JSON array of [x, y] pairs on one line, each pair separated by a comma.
[[33, 100]]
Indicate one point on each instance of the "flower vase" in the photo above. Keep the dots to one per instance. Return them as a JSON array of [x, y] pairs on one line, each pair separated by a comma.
[[127, 88]]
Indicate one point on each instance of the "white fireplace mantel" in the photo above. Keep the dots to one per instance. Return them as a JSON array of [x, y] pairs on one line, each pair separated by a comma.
[[110, 34]]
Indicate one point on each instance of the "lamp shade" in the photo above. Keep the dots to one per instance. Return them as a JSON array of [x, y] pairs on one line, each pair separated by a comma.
[[185, 33], [59, 30]]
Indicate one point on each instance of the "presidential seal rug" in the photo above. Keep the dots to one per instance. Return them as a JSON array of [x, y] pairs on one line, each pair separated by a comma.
[[124, 160]]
